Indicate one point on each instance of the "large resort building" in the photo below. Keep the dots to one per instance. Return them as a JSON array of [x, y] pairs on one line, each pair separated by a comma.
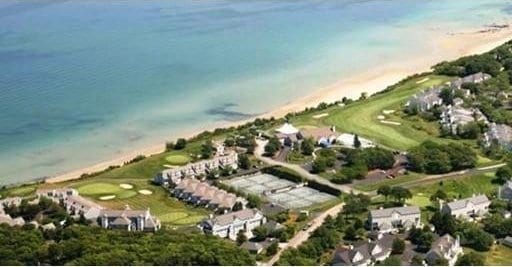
[[174, 175], [230, 224]]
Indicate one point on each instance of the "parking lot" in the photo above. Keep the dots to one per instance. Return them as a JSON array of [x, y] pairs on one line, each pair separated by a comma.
[[279, 191]]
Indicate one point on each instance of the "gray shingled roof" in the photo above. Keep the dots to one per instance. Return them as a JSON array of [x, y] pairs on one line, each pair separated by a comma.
[[228, 218], [380, 213], [461, 204]]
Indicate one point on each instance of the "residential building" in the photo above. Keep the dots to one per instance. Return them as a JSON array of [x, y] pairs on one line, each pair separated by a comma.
[[468, 208], [74, 204], [175, 175], [454, 117], [130, 220], [324, 136], [287, 134], [473, 78], [505, 191], [425, 100], [391, 219], [230, 224], [444, 248], [201, 193], [364, 253], [347, 140], [257, 247], [499, 133]]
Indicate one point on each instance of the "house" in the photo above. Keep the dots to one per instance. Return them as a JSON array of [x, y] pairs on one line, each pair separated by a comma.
[[444, 248], [222, 160], [458, 101], [425, 100], [347, 140], [230, 224], [389, 220], [257, 247], [364, 253], [505, 191], [473, 78], [507, 241], [499, 133], [454, 117], [74, 204], [201, 193], [468, 208], [287, 134], [130, 220], [324, 136]]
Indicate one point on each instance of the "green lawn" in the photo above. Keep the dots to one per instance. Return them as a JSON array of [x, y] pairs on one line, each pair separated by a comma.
[[20, 191], [459, 187], [177, 159], [371, 186], [361, 117], [499, 255]]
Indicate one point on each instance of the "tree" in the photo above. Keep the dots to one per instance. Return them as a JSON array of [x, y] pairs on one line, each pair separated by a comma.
[[308, 146], [444, 223], [181, 143], [400, 193], [391, 261], [272, 146], [253, 201], [447, 96], [438, 195], [238, 206], [260, 233], [357, 143], [241, 237], [398, 246], [350, 233], [272, 249], [319, 165], [207, 149], [384, 190], [244, 162], [503, 174], [471, 259]]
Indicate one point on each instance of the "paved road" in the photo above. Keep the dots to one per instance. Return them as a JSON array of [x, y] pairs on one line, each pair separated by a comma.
[[259, 154], [303, 235]]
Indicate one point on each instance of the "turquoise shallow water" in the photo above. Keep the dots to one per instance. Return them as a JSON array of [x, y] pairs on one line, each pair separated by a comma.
[[83, 81]]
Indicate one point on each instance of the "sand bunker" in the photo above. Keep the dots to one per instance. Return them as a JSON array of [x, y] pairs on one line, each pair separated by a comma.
[[145, 192], [391, 122], [422, 80], [126, 186], [380, 117], [320, 115], [388, 111], [109, 197]]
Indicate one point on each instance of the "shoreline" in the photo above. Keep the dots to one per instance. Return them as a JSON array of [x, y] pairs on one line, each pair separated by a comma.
[[450, 46]]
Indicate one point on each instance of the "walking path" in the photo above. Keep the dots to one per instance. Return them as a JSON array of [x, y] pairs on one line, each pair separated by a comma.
[[303, 235]]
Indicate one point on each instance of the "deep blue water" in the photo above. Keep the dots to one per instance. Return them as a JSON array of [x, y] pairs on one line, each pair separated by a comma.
[[83, 81]]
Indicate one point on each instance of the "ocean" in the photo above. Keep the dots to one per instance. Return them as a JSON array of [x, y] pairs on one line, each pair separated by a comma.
[[84, 81]]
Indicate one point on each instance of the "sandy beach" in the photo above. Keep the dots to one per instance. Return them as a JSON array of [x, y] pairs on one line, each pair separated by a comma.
[[445, 46]]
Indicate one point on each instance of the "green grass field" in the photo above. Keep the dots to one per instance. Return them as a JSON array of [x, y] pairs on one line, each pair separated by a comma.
[[499, 255], [371, 186], [178, 159], [361, 117]]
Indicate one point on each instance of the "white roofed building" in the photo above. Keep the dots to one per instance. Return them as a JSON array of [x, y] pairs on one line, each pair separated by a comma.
[[230, 224], [468, 208], [392, 219]]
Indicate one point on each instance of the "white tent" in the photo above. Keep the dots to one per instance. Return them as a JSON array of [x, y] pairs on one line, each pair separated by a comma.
[[287, 129]]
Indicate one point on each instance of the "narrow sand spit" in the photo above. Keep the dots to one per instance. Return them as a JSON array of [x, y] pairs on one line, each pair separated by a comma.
[[109, 197], [126, 186], [145, 192]]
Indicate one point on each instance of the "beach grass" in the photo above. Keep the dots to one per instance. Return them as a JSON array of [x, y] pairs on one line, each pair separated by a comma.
[[361, 117]]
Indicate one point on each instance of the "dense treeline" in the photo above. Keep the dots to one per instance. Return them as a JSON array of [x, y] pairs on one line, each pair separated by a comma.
[[82, 245], [433, 158]]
